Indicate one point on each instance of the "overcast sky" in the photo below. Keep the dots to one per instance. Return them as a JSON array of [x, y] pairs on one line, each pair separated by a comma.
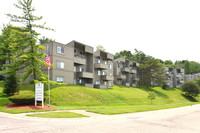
[[165, 29]]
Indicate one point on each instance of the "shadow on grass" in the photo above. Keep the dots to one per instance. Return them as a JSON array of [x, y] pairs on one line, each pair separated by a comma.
[[158, 93], [189, 98]]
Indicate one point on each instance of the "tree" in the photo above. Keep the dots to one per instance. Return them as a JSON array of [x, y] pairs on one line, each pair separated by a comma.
[[11, 85], [168, 63], [100, 48], [151, 71], [151, 96], [125, 54], [45, 40], [30, 57], [190, 88], [141, 57]]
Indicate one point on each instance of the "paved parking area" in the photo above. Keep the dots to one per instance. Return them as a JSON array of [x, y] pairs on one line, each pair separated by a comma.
[[176, 120]]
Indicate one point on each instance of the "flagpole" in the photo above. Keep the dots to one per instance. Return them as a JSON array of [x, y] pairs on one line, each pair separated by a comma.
[[49, 88], [48, 80]]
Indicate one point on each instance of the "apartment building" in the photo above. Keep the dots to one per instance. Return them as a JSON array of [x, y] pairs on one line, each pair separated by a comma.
[[175, 77], [82, 63], [103, 69], [190, 77], [62, 56], [125, 72]]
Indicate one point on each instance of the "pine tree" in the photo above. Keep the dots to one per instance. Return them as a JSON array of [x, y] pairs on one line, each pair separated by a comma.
[[30, 55]]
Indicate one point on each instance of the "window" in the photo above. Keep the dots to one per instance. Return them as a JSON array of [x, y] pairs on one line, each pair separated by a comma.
[[105, 83], [104, 73], [60, 79], [74, 50], [109, 84], [98, 72], [118, 65], [81, 69], [97, 82], [60, 65], [74, 68], [110, 66], [60, 50], [97, 61], [80, 81]]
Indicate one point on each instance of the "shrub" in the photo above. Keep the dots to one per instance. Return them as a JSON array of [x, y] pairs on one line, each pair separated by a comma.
[[190, 88], [164, 85], [11, 85], [25, 99]]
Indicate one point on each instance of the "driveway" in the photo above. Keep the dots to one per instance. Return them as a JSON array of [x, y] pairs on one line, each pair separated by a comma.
[[176, 120]]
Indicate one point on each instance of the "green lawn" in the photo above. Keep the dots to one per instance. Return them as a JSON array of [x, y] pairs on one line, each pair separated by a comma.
[[115, 100], [58, 115]]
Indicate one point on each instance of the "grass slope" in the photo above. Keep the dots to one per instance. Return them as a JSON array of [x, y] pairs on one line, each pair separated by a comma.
[[117, 99], [57, 115]]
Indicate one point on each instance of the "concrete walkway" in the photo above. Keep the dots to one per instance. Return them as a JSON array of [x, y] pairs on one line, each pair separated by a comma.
[[175, 120], [24, 115]]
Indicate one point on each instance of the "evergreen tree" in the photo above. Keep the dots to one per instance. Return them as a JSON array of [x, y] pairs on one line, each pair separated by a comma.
[[151, 71], [30, 57], [11, 85]]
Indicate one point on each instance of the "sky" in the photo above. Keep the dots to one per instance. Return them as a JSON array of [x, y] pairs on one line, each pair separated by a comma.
[[164, 29]]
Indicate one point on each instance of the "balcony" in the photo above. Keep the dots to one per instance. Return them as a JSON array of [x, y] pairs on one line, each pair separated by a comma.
[[126, 69], [85, 75], [135, 79], [127, 84], [121, 77], [133, 85], [89, 49], [110, 56], [133, 71], [101, 86], [79, 60], [100, 66], [88, 85], [106, 77]]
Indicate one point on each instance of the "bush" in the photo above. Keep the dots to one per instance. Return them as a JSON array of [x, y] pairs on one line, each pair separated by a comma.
[[190, 88], [27, 99], [164, 85], [11, 85]]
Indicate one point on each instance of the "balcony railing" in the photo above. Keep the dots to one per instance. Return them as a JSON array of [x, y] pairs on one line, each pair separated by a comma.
[[121, 76], [100, 66], [85, 75], [106, 77], [126, 69], [79, 60]]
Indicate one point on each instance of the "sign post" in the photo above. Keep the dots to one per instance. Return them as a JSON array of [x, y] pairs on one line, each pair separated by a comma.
[[39, 93]]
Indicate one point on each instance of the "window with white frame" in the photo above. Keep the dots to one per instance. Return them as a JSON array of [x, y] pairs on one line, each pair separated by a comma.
[[80, 81], [81, 69], [97, 82], [74, 68], [104, 73], [60, 65], [110, 66], [109, 84], [60, 50], [98, 72], [60, 79]]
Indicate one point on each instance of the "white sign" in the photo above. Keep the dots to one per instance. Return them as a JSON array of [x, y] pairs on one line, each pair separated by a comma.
[[39, 93]]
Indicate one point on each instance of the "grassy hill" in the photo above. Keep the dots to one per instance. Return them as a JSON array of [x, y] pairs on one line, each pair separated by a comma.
[[117, 99]]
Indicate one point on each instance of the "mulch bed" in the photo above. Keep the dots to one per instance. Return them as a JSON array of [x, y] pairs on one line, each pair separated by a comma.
[[15, 106]]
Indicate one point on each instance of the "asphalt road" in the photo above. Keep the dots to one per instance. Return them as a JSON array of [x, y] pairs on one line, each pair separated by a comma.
[[177, 120]]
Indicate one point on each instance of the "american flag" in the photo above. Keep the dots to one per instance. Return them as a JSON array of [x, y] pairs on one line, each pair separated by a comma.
[[48, 59]]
